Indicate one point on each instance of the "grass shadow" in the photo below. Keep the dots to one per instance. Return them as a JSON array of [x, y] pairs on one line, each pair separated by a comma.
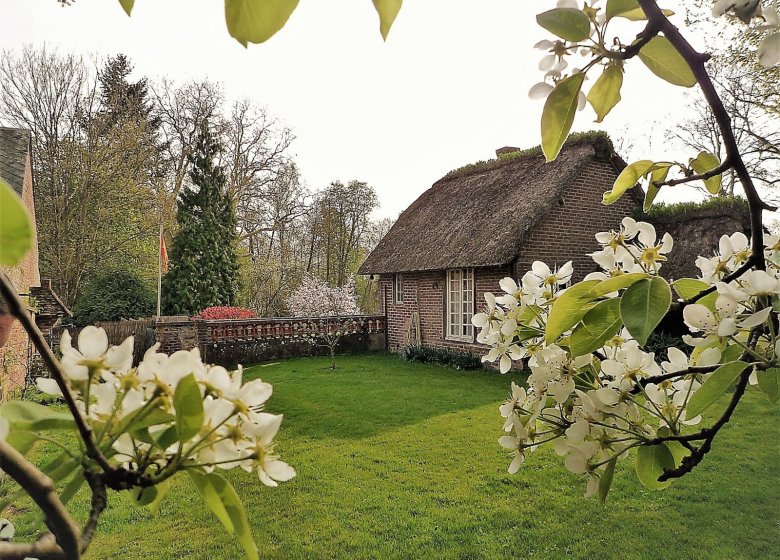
[[369, 394]]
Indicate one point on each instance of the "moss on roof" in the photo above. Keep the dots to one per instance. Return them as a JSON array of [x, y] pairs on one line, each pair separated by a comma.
[[731, 205], [599, 139]]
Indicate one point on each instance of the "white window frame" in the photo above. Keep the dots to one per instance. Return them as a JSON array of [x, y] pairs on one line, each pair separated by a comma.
[[459, 302], [398, 288]]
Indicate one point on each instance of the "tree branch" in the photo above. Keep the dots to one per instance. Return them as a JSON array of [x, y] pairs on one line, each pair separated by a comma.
[[41, 489], [16, 308]]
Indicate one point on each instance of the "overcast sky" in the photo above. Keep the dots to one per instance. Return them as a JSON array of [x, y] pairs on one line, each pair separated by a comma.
[[447, 88]]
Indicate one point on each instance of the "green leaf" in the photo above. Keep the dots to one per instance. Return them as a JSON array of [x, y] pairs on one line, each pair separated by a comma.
[[629, 177], [256, 21], [663, 60], [605, 93], [155, 417], [568, 309], [769, 383], [658, 175], [387, 10], [21, 440], [687, 288], [72, 487], [643, 305], [569, 24], [616, 283], [189, 408], [223, 500], [714, 386], [558, 114], [731, 354], [704, 162], [167, 437], [127, 5], [152, 497], [16, 232], [678, 450], [605, 480], [24, 415], [598, 326], [210, 495], [651, 460], [629, 9], [616, 8]]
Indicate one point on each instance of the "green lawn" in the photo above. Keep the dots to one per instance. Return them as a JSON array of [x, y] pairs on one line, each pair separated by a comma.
[[397, 460]]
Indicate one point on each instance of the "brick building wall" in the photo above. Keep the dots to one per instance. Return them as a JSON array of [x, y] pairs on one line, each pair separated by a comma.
[[566, 233], [14, 354], [424, 293]]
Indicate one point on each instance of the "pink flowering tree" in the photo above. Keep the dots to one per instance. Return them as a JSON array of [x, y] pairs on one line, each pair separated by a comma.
[[332, 305]]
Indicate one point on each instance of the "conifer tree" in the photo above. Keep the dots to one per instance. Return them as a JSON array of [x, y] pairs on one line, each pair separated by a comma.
[[204, 266]]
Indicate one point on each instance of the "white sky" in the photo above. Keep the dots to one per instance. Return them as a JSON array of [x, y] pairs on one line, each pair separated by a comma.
[[447, 88]]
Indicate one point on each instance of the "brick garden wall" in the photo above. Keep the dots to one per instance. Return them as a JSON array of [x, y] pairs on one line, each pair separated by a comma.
[[246, 341]]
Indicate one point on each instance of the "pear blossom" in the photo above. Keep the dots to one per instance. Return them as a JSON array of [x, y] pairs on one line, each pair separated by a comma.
[[235, 432], [628, 365]]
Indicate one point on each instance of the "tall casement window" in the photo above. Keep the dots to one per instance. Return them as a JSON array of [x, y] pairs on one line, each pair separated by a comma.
[[398, 288], [460, 304]]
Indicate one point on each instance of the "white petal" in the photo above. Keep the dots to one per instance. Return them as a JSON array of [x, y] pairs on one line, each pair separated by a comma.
[[647, 234], [93, 342], [48, 386], [505, 364], [756, 318], [540, 91], [514, 466], [698, 317], [544, 44], [278, 470], [7, 530], [769, 51], [508, 285]]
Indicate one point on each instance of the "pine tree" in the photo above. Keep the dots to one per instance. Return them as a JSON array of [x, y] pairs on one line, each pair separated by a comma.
[[204, 267]]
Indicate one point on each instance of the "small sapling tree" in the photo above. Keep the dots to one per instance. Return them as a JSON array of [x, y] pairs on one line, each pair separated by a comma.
[[332, 307]]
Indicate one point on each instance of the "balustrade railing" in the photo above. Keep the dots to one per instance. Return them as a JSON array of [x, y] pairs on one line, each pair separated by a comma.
[[239, 330]]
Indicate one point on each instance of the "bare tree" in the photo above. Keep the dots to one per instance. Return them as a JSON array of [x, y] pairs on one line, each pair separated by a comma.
[[756, 122]]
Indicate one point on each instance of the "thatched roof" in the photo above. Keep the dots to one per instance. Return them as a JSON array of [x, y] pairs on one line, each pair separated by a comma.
[[480, 214], [14, 147]]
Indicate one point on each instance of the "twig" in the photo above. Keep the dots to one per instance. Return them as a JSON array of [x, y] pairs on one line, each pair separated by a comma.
[[746, 266], [725, 166]]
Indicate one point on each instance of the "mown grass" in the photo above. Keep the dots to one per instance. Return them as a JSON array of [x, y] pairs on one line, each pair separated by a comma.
[[399, 460]]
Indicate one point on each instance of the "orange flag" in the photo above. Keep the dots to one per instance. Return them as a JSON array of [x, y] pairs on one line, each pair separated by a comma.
[[163, 254]]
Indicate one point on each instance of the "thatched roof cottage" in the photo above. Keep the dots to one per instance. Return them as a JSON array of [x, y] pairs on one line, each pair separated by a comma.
[[486, 221]]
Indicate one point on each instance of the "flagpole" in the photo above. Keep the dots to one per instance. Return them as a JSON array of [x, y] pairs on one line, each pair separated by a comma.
[[159, 270]]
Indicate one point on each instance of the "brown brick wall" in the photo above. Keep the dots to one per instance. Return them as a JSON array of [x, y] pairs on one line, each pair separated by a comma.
[[13, 355], [567, 233], [424, 293]]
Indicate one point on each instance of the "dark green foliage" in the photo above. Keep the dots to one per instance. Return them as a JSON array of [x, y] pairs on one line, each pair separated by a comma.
[[442, 357], [659, 341], [204, 266], [120, 294], [122, 99], [730, 204]]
